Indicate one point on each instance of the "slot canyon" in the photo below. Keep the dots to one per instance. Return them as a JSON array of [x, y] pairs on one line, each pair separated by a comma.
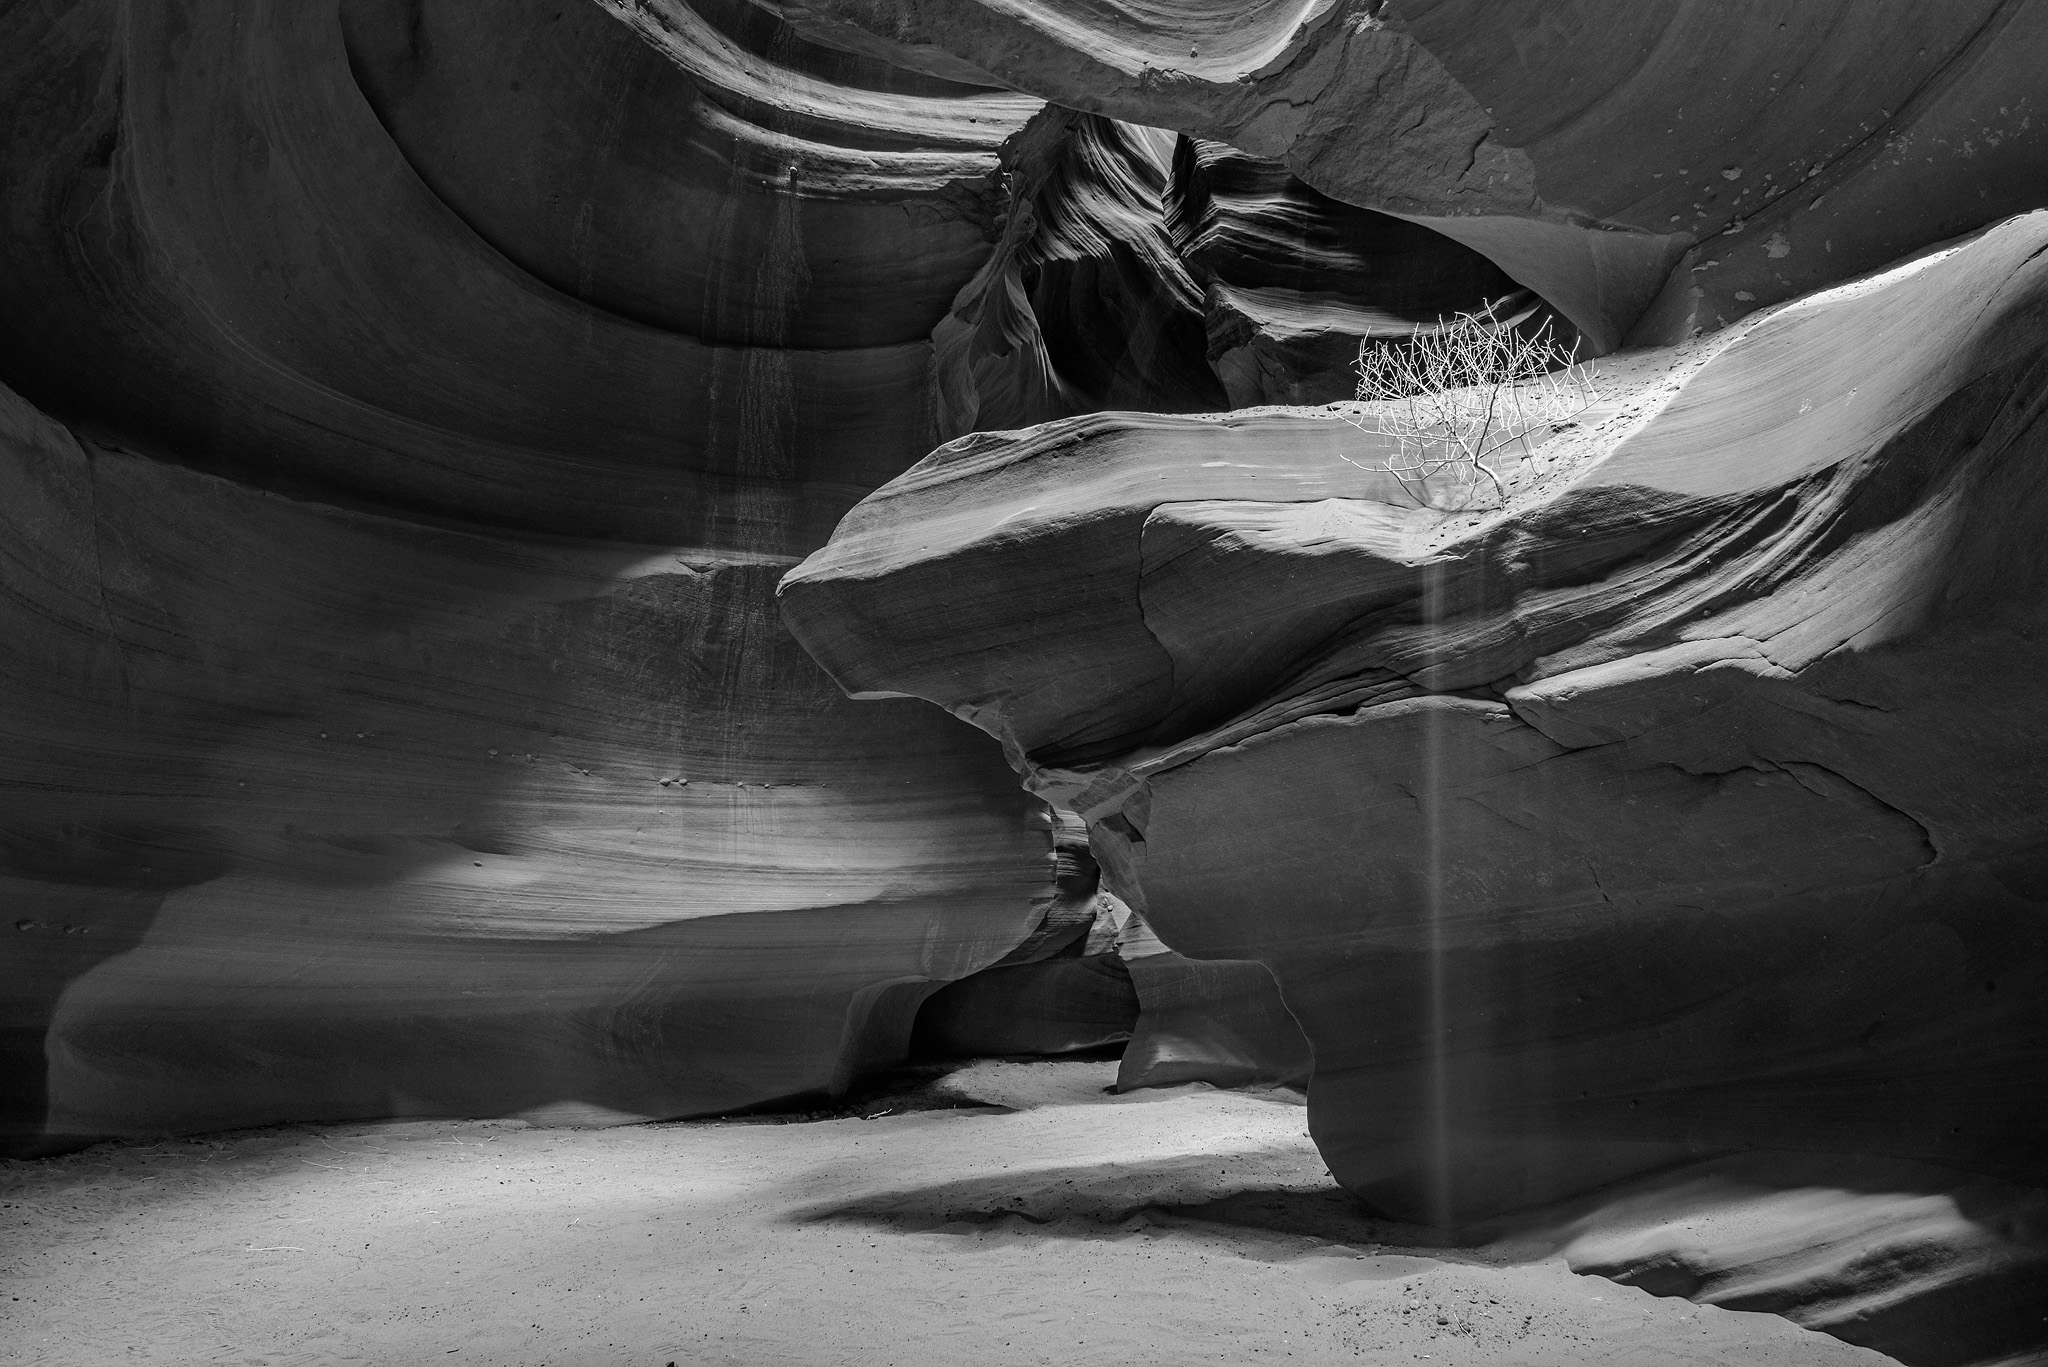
[[761, 682]]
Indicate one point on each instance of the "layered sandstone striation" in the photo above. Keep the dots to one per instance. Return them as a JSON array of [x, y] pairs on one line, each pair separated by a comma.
[[1085, 303], [412, 408], [500, 264], [1295, 281], [317, 812], [1588, 153]]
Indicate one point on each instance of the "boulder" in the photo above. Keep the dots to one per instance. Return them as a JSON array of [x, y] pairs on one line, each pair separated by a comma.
[[1686, 802], [1053, 1006], [1219, 1021]]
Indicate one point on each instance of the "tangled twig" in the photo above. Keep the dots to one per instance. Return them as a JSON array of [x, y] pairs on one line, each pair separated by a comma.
[[1458, 395]]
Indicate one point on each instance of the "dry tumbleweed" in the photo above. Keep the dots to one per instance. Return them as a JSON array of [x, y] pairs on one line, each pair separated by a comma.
[[1461, 394]]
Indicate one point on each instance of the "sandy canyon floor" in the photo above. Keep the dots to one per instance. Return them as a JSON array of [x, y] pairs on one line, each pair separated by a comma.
[[1004, 1213]]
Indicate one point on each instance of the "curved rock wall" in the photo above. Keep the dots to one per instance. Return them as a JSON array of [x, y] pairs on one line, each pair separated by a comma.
[[416, 405], [412, 404], [259, 235], [1295, 280], [1084, 304], [744, 187], [1764, 151]]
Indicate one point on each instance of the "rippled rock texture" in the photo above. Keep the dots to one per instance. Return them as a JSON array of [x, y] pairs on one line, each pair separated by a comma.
[[1296, 280], [1586, 150]]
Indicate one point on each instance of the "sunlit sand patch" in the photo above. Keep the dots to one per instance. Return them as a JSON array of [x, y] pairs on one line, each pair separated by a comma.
[[1006, 1213]]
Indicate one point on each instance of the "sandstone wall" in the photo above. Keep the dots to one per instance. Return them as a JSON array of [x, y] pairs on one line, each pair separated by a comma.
[[413, 407]]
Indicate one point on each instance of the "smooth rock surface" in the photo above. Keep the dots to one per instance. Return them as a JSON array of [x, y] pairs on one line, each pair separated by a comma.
[[411, 409], [316, 813], [1054, 1006], [264, 241], [1219, 1021]]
